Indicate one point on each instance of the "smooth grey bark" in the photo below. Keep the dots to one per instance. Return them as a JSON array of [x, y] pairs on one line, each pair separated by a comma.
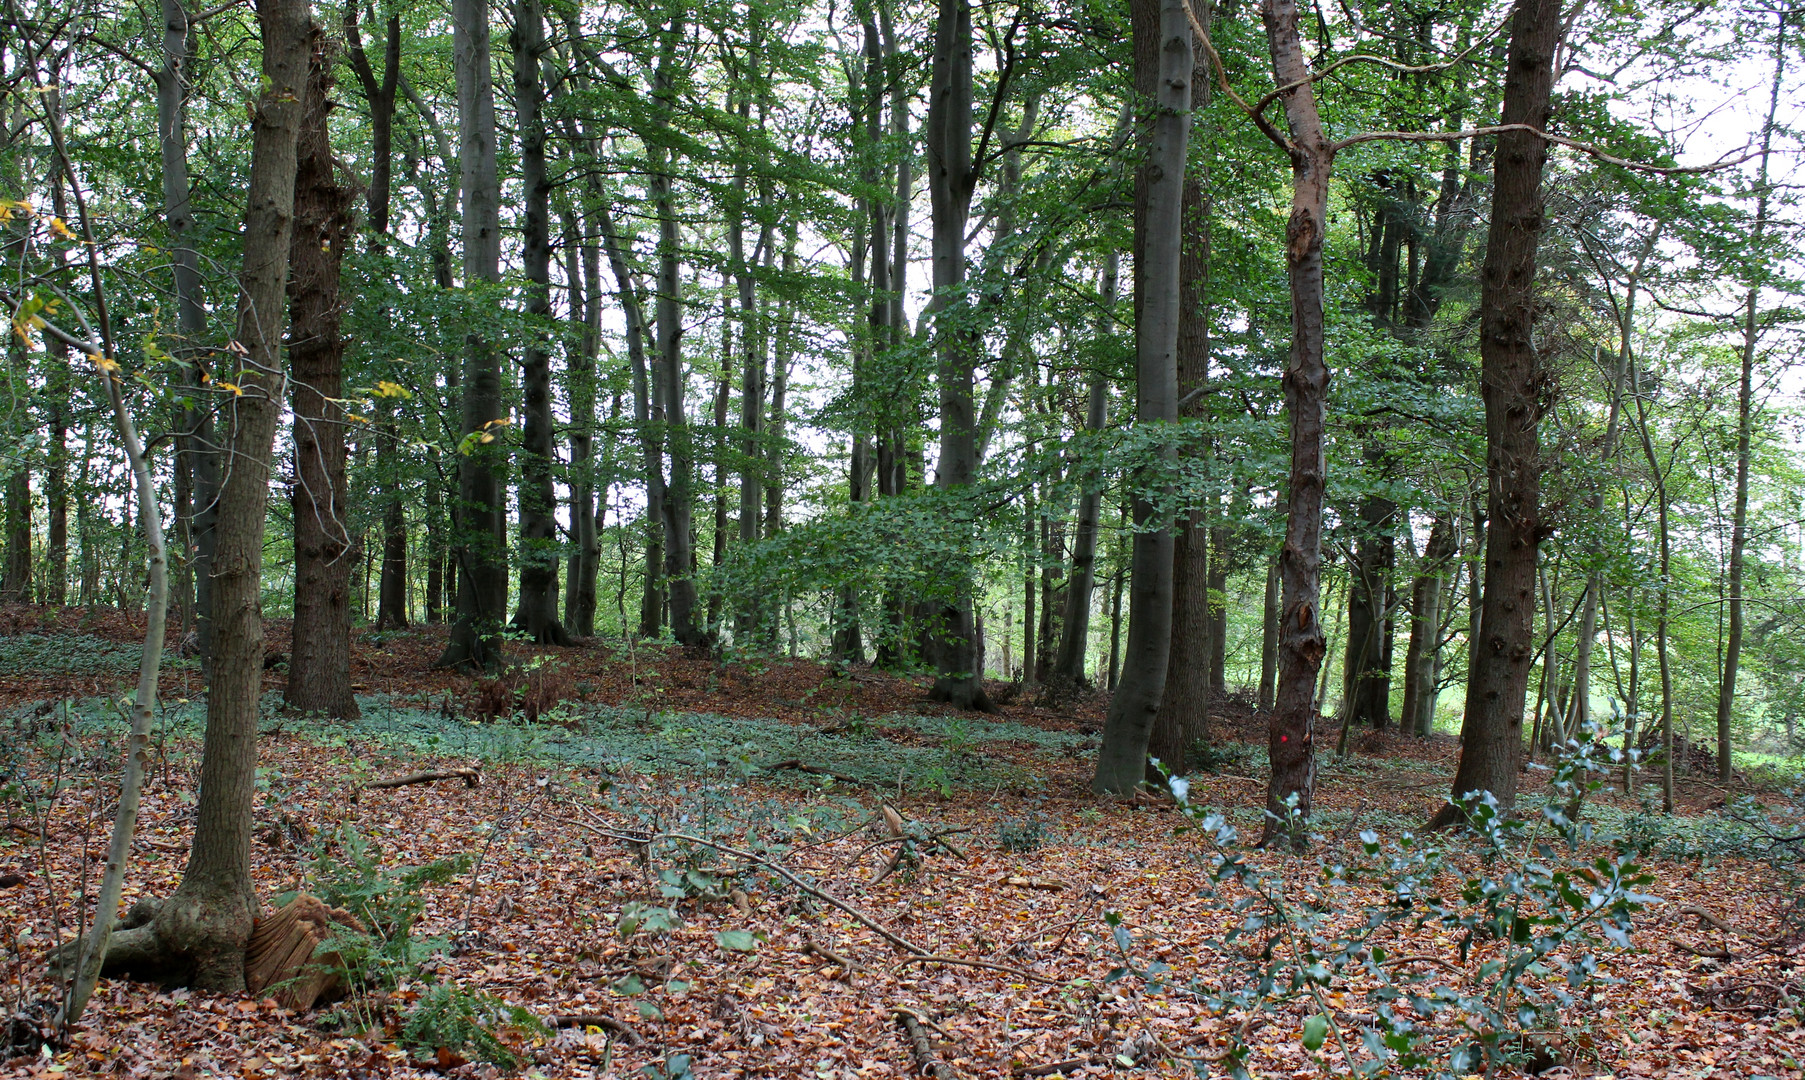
[[198, 444], [582, 274], [952, 180], [1122, 760], [381, 93], [537, 612], [1418, 717], [481, 542], [670, 415]]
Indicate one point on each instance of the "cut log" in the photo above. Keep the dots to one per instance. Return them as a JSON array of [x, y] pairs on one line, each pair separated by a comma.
[[927, 1059], [283, 955]]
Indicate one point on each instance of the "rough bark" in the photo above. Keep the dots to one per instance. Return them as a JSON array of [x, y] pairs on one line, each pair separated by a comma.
[[480, 543], [319, 665], [1291, 729], [1513, 384], [1122, 760]]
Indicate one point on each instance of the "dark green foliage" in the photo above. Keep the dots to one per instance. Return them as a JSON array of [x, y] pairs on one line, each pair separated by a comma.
[[467, 1023]]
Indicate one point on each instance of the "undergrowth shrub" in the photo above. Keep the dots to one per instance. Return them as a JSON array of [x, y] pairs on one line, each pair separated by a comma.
[[1536, 907], [451, 1020], [531, 691], [347, 872]]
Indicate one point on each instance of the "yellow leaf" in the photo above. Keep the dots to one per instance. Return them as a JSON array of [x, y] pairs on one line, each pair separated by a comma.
[[105, 363], [62, 230], [230, 386], [387, 389]]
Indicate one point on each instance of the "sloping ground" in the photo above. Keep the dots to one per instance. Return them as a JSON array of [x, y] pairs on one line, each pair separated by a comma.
[[741, 985]]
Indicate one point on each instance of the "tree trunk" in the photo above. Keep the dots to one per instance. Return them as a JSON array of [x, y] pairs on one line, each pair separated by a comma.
[[199, 934], [1074, 637], [679, 549], [1425, 628], [198, 442], [1163, 41], [1366, 674], [92, 953], [582, 273], [481, 543], [1269, 640], [1291, 730], [537, 612], [319, 665], [952, 179], [380, 93], [1745, 408], [1512, 382], [1184, 710]]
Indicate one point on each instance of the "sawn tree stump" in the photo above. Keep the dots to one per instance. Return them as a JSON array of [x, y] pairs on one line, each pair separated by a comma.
[[282, 953]]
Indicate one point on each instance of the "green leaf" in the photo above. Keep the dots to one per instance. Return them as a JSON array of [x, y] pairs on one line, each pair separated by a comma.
[[737, 940], [1316, 1031]]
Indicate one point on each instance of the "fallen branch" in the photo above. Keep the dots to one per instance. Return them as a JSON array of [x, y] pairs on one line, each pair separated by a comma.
[[927, 1062], [1709, 954], [601, 1020], [863, 919], [847, 967], [470, 777], [1400, 961], [1708, 919], [816, 770], [929, 958], [1052, 1067]]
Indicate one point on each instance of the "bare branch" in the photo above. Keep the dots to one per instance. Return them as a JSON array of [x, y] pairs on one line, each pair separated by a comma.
[[1197, 29], [1589, 149]]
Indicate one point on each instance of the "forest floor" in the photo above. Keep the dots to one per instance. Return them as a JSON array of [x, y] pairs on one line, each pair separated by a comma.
[[749, 975]]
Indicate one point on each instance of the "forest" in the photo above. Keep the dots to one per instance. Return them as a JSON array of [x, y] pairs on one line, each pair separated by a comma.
[[671, 538]]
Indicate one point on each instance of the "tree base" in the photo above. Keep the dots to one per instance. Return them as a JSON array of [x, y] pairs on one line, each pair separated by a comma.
[[167, 944], [966, 694]]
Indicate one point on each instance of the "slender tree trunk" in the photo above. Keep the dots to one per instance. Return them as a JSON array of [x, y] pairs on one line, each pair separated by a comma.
[[198, 442], [537, 612], [582, 272], [679, 550], [651, 618], [1074, 637], [1512, 384], [319, 666], [1420, 657], [199, 933], [1269, 640], [1745, 410], [380, 94], [1162, 40], [481, 538], [1366, 674], [1291, 730]]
